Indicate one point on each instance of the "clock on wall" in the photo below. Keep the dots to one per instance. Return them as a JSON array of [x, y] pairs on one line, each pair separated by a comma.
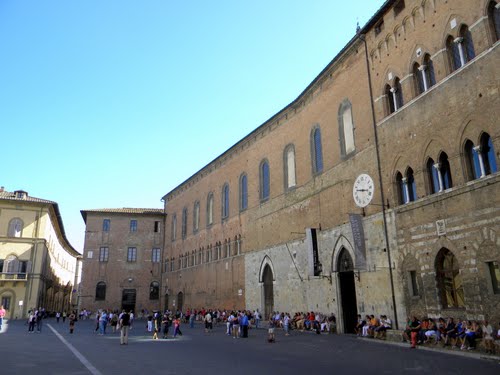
[[363, 190]]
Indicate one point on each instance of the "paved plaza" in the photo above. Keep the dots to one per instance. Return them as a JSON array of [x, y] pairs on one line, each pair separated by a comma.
[[54, 351]]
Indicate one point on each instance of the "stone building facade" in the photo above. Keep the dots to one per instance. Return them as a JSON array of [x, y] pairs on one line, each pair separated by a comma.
[[412, 101], [122, 259], [38, 266]]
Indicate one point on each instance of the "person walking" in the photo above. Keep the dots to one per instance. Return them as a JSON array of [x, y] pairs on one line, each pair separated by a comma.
[[64, 316], [31, 321], [256, 316], [39, 320], [72, 321], [124, 326], [58, 316], [244, 324]]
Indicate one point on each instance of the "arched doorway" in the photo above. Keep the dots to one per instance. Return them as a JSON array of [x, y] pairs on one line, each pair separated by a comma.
[[267, 279], [166, 301], [180, 301], [128, 299], [345, 268], [449, 280]]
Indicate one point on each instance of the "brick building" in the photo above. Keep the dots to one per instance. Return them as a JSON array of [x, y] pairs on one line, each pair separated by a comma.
[[412, 101], [122, 259]]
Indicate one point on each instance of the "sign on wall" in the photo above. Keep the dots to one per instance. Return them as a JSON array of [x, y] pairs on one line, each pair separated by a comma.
[[358, 235]]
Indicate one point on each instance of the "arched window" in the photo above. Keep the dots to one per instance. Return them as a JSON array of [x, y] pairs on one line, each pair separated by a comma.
[[432, 176], [449, 280], [389, 100], [488, 155], [401, 187], [418, 78], [467, 43], [196, 216], [100, 291], [412, 186], [471, 161], [346, 129], [316, 151], [15, 228], [154, 290], [289, 161], [264, 180], [225, 201], [174, 227], [184, 222], [445, 171], [494, 19], [210, 209], [394, 96], [429, 75], [243, 192], [453, 49]]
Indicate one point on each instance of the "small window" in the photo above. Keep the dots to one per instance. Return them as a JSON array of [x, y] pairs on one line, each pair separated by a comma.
[[196, 217], [154, 290], [15, 228], [495, 276], [289, 162], [133, 225], [106, 224], [157, 227], [132, 254], [100, 291], [264, 181], [243, 192], [398, 7], [225, 201], [155, 255], [103, 254], [379, 26], [316, 151], [210, 209], [413, 284], [90, 254]]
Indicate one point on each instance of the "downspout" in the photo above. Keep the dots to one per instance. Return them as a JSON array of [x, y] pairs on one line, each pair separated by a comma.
[[379, 169]]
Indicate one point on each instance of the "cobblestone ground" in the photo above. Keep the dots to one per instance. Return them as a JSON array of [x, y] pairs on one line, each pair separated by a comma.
[[54, 351]]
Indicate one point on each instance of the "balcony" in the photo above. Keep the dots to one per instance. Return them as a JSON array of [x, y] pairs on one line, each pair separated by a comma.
[[9, 276]]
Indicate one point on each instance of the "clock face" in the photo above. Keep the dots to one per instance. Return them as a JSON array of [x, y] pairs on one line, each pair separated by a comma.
[[363, 190]]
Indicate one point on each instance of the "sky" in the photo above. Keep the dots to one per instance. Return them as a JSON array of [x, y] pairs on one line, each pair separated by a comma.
[[114, 103]]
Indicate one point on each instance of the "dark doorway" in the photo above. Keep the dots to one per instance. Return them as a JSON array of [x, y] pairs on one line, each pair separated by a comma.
[[267, 278], [128, 299], [347, 291], [180, 301], [166, 302]]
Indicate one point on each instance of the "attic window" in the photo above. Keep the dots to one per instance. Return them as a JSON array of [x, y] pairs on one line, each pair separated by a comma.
[[19, 194], [398, 7], [379, 26]]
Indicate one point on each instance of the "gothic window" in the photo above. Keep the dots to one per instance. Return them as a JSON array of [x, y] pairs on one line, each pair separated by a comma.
[[389, 100], [243, 192], [471, 161], [15, 227], [100, 291], [467, 43], [429, 71], [174, 227], [154, 290], [411, 185], [445, 171], [210, 209], [264, 180], [225, 201], [449, 280], [400, 188], [418, 79], [316, 151], [289, 159], [196, 216], [346, 129], [488, 155], [432, 176], [494, 19], [398, 93], [184, 222], [453, 53]]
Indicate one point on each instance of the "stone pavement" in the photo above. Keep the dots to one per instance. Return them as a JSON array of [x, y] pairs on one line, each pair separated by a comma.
[[55, 351]]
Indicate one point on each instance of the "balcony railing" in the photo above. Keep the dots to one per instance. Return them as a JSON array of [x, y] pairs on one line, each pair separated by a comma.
[[13, 276]]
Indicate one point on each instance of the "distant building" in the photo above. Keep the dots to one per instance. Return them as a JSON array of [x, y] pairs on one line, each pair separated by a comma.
[[411, 101], [122, 259], [38, 266]]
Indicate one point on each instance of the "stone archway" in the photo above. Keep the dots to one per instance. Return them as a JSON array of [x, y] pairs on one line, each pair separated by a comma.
[[267, 280], [347, 286]]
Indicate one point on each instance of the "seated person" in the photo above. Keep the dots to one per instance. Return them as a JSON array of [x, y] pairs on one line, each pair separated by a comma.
[[450, 331], [359, 325]]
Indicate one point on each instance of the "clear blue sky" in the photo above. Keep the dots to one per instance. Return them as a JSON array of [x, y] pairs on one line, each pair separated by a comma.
[[113, 103]]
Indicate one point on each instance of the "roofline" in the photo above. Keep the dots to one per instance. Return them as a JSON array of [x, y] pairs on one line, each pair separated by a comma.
[[378, 14], [99, 211]]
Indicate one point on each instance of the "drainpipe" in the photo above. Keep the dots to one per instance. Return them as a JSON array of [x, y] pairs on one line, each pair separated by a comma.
[[379, 169]]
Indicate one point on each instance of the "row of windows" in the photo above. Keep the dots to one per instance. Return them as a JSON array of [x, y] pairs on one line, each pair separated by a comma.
[[106, 225], [460, 51], [479, 160], [449, 280], [100, 291], [347, 148], [201, 256], [12, 265], [131, 254]]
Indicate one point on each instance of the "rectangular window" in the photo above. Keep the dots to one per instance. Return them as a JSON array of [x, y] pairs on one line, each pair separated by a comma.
[[90, 254], [495, 276], [103, 254], [106, 224], [6, 303], [155, 255], [157, 227], [132, 254], [133, 225], [413, 284]]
